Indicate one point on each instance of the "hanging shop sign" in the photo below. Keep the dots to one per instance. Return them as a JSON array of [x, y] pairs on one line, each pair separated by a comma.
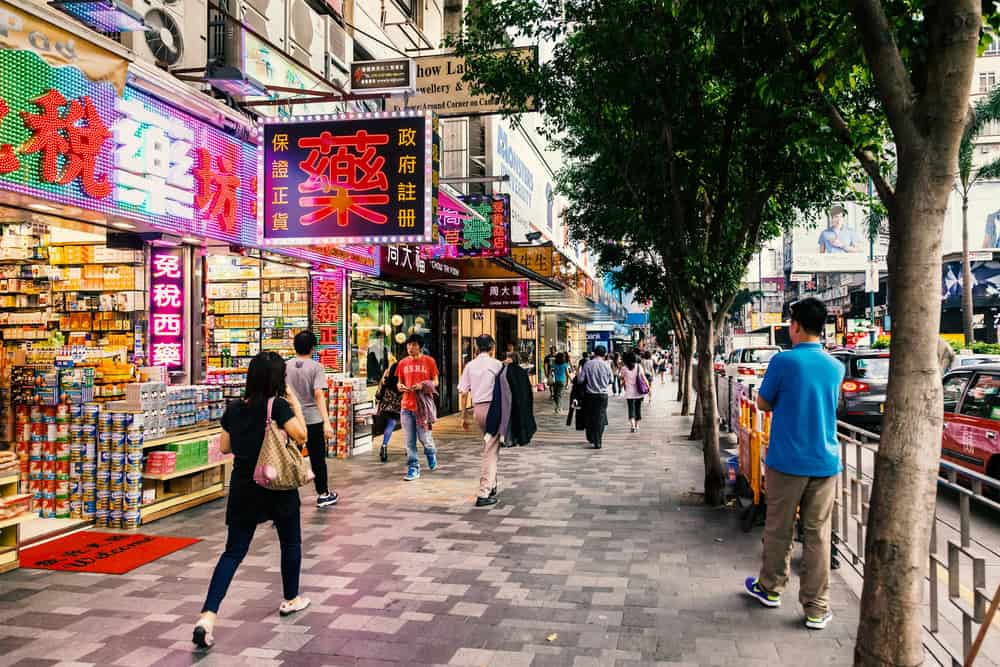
[[327, 319], [463, 235], [536, 258], [506, 294], [440, 88], [384, 76], [166, 308], [353, 178], [405, 262], [21, 31]]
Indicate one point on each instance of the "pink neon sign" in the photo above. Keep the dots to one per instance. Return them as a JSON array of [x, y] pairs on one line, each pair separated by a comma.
[[166, 308]]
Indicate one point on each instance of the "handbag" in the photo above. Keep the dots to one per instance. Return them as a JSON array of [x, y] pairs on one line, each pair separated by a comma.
[[641, 383], [280, 466]]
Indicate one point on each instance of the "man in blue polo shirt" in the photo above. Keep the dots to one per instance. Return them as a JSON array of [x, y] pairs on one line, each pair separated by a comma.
[[801, 387]]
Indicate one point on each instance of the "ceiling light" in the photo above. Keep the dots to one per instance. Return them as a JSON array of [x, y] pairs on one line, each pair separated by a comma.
[[43, 207], [192, 240], [123, 225]]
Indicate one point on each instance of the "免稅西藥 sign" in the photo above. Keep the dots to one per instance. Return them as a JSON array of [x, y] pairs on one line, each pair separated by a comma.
[[166, 307], [353, 178]]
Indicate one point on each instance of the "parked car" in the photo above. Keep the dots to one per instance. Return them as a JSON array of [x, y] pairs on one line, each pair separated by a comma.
[[971, 434], [963, 360], [747, 365], [862, 392]]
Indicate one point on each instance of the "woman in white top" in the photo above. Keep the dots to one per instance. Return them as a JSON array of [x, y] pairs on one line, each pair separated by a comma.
[[630, 373]]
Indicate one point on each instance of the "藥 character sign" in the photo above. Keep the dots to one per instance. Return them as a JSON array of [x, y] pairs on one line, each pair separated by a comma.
[[166, 308], [354, 178]]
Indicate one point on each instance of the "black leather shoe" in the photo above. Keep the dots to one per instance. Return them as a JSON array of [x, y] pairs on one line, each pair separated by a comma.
[[597, 446], [493, 492], [484, 502]]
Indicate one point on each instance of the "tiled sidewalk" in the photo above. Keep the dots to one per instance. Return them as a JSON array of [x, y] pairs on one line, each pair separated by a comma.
[[591, 558]]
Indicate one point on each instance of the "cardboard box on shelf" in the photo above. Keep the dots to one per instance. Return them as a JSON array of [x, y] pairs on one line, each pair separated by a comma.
[[187, 484]]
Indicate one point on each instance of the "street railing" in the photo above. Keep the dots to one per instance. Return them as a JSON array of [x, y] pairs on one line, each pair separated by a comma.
[[962, 572]]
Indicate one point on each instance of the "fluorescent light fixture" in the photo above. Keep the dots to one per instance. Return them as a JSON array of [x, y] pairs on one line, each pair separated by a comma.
[[233, 81], [43, 207], [191, 239], [123, 225], [304, 265], [103, 15]]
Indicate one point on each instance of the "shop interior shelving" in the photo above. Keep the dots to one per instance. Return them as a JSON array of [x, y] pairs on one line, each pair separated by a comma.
[[171, 499], [10, 528]]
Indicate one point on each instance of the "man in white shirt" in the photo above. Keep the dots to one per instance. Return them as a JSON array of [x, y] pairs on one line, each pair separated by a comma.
[[476, 390]]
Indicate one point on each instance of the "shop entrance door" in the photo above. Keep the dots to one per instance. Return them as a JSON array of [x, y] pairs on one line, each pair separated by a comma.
[[506, 334]]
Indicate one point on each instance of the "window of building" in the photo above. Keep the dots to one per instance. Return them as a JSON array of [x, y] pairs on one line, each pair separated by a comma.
[[994, 48], [987, 81]]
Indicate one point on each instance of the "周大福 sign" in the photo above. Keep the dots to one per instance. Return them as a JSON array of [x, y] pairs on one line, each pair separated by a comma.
[[354, 178], [464, 235], [440, 87], [383, 76], [512, 294]]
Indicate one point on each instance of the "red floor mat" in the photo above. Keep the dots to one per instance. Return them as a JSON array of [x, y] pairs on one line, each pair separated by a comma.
[[105, 553]]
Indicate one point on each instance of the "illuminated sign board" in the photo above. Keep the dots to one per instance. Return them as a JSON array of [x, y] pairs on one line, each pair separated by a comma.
[[166, 308], [328, 319], [506, 294], [463, 235], [354, 178]]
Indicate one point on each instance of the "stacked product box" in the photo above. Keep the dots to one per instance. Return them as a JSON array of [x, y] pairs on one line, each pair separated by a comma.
[[83, 460], [343, 394], [193, 405], [189, 454], [119, 469], [44, 445]]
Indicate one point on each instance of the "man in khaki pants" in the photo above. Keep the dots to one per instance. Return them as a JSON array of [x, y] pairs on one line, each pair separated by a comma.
[[476, 390], [801, 387]]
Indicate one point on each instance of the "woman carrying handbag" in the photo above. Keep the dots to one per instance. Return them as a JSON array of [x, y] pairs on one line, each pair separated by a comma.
[[389, 399], [267, 413]]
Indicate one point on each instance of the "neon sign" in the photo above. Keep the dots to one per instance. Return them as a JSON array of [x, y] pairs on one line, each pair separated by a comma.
[[166, 308], [463, 235]]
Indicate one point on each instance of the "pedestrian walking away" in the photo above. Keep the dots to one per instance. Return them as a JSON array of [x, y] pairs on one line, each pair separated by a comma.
[[560, 374], [476, 391], [522, 403], [417, 375], [307, 379], [596, 381], [576, 398], [547, 363], [389, 399], [637, 386], [243, 426], [801, 387]]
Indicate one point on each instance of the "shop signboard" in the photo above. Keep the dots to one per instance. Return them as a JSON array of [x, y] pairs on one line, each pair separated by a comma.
[[539, 259], [510, 294], [440, 88], [405, 262], [836, 241], [353, 178], [328, 319], [595, 338], [395, 76], [463, 236], [166, 308]]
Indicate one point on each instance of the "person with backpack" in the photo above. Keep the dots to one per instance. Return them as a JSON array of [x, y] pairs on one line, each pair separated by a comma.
[[244, 424], [389, 398], [637, 386]]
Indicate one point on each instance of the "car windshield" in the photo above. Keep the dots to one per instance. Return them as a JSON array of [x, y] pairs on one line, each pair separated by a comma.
[[759, 356], [872, 368]]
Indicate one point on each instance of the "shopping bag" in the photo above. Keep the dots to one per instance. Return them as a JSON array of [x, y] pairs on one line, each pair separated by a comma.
[[280, 466]]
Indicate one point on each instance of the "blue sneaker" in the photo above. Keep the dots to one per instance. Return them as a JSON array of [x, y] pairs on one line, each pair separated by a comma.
[[412, 474], [432, 461], [753, 589]]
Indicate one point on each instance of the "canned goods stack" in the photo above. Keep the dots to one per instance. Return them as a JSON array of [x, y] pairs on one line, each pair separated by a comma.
[[119, 469]]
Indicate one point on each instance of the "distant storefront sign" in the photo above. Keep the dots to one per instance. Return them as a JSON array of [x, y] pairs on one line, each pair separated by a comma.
[[512, 294], [272, 67], [537, 258], [440, 88], [352, 178], [396, 76], [407, 262], [464, 235]]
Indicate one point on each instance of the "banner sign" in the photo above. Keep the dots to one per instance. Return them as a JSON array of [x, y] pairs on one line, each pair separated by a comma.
[[404, 262], [328, 319], [440, 87], [836, 241], [537, 258], [506, 294], [352, 178], [166, 308], [462, 235], [383, 76]]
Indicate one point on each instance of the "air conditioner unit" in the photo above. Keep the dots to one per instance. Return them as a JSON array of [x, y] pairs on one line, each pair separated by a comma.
[[306, 39], [176, 36], [339, 49], [269, 19]]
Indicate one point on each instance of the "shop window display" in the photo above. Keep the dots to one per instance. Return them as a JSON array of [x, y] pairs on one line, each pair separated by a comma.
[[379, 329]]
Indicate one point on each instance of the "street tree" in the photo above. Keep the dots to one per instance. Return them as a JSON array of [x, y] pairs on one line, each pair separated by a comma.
[[677, 165], [917, 59], [970, 175]]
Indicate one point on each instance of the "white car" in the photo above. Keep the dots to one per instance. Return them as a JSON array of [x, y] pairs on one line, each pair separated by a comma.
[[748, 364], [965, 360]]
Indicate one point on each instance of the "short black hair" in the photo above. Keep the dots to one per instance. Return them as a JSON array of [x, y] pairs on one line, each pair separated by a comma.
[[810, 313], [305, 342], [600, 351], [484, 343], [415, 338]]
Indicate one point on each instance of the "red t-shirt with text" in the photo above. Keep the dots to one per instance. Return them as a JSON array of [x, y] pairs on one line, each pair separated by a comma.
[[412, 371]]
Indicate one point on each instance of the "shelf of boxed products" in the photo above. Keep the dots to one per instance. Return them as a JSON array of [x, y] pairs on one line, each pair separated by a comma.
[[184, 472], [351, 413]]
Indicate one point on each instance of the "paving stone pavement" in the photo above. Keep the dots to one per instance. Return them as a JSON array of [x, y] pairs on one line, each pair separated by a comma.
[[591, 558]]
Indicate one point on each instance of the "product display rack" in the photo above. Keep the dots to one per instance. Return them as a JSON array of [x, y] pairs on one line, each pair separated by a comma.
[[10, 527], [284, 310], [178, 490], [351, 415], [233, 311]]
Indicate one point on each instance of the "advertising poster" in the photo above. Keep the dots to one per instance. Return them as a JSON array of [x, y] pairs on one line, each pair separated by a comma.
[[835, 241], [983, 219]]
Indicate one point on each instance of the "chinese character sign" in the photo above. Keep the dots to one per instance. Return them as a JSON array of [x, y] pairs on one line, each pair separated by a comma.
[[463, 235], [327, 319], [347, 179], [506, 294], [166, 308]]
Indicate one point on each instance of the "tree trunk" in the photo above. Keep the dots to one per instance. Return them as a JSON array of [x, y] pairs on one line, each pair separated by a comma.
[[968, 309], [905, 486], [697, 429], [714, 473], [686, 382]]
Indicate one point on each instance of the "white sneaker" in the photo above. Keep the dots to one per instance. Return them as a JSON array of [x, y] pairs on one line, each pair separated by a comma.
[[289, 607], [819, 623]]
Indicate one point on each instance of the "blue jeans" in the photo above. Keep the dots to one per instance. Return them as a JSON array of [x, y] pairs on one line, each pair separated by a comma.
[[411, 434], [237, 545], [390, 427]]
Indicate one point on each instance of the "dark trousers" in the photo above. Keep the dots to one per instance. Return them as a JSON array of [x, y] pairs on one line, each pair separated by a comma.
[[634, 408], [316, 444], [237, 545], [597, 417]]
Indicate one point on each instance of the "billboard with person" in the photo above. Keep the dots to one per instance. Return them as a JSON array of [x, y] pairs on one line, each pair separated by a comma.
[[983, 219], [835, 240]]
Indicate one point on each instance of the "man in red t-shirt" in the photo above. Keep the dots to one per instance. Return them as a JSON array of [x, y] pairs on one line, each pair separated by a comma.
[[412, 372]]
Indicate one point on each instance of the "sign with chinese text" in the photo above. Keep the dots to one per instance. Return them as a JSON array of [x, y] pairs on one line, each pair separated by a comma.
[[536, 258], [383, 76], [462, 235], [166, 308], [354, 178], [506, 294], [404, 262], [328, 319]]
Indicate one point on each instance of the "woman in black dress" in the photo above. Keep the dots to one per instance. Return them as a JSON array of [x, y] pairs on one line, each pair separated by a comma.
[[243, 426]]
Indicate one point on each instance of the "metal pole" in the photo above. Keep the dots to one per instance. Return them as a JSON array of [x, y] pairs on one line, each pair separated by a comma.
[[871, 260]]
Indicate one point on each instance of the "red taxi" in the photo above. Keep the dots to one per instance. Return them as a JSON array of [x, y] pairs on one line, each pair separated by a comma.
[[971, 435]]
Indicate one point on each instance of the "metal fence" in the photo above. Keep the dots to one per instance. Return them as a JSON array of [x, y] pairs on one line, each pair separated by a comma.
[[963, 570]]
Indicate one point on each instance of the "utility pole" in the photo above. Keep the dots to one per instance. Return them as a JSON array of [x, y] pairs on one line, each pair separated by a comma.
[[872, 230]]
